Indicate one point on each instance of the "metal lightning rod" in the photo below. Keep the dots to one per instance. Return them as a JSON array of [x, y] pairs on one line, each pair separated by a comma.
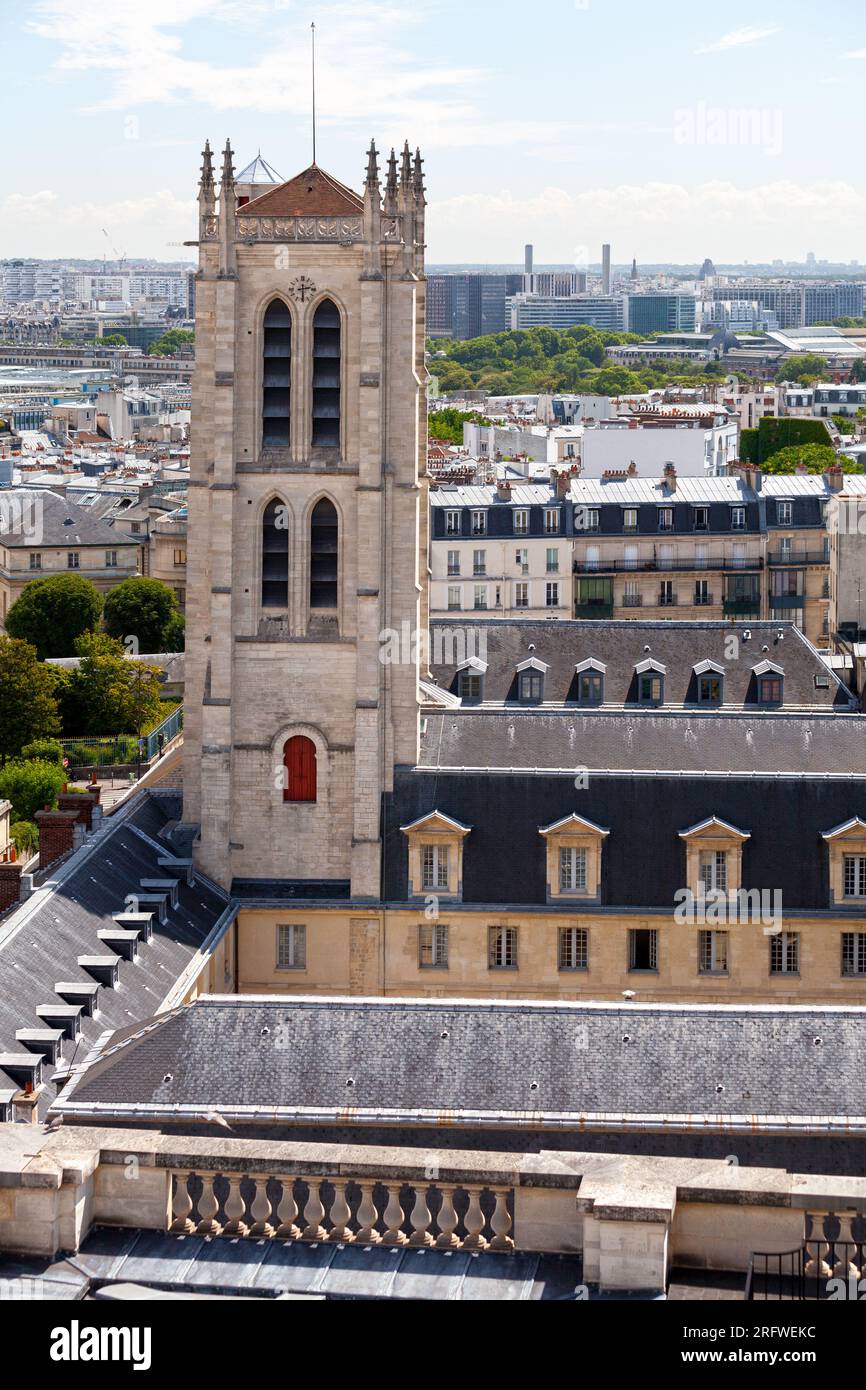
[[313, 42]]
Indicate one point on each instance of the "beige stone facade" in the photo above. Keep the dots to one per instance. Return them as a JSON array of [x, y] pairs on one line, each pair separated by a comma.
[[258, 675]]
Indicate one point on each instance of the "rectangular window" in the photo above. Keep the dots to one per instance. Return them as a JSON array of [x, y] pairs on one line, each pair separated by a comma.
[[702, 592], [111, 559], [629, 519], [453, 562], [454, 600], [479, 523], [502, 948], [36, 562], [667, 597], [666, 518], [552, 560], [433, 947], [572, 870], [785, 953], [73, 560], [590, 688], [573, 948], [853, 953], [179, 558], [649, 690], [702, 518], [452, 523], [291, 948], [434, 866], [589, 519], [713, 952], [521, 522], [551, 595], [770, 690], [713, 871], [479, 562], [470, 687], [738, 518], [531, 689], [480, 600], [521, 559], [521, 595], [855, 876], [784, 512], [642, 949], [710, 690]]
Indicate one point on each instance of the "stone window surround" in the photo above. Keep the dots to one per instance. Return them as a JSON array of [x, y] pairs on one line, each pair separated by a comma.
[[301, 369], [708, 837], [300, 548], [438, 829], [848, 838], [573, 832]]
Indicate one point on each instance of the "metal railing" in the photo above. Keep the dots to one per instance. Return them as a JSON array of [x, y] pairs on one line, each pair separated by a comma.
[[661, 566], [798, 557], [122, 749], [829, 1265]]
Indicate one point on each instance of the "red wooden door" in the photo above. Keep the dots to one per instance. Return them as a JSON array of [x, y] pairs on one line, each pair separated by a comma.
[[299, 757]]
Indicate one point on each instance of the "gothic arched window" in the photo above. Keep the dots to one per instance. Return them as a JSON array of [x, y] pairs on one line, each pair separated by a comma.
[[326, 376], [324, 541], [275, 556], [277, 376], [299, 761]]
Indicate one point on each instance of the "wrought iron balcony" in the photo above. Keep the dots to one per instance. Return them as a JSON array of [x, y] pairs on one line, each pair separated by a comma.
[[798, 557], [672, 566], [742, 607], [594, 610]]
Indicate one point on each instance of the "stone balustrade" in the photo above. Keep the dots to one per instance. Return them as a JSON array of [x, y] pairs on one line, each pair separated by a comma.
[[362, 1211]]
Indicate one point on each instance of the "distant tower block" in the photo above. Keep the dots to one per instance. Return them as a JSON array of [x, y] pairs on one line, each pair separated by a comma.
[[634, 274], [605, 269], [528, 255]]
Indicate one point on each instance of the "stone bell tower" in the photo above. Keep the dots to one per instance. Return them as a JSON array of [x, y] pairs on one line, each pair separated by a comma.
[[307, 524]]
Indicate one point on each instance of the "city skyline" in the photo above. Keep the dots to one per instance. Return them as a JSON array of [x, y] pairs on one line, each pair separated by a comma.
[[715, 153]]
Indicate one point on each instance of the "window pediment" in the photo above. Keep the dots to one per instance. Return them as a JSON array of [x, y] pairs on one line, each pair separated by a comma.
[[642, 667], [591, 664], [533, 664], [768, 668], [574, 825], [853, 829], [714, 828], [436, 822], [703, 668]]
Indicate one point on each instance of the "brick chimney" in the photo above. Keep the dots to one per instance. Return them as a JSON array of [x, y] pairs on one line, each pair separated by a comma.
[[56, 832], [81, 803], [749, 473], [503, 489], [670, 477], [10, 884], [834, 477], [563, 484]]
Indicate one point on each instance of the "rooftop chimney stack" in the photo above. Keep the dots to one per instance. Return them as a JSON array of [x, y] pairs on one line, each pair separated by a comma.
[[670, 476]]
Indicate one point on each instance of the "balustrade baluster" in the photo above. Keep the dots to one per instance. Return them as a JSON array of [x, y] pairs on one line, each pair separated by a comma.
[[235, 1210], [844, 1253], [367, 1217], [208, 1207], [420, 1219], [341, 1214], [182, 1206], [500, 1221], [474, 1222], [447, 1220], [260, 1210], [817, 1247], [394, 1218], [287, 1211], [314, 1213]]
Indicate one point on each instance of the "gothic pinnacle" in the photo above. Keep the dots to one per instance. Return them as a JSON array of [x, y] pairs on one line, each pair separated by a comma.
[[406, 167], [373, 166]]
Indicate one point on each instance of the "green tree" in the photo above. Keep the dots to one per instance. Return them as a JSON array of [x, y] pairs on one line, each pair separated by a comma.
[[28, 707], [30, 786], [108, 693], [448, 423], [168, 344], [803, 367], [46, 750], [142, 608], [52, 613], [114, 340], [844, 424], [25, 837], [817, 458]]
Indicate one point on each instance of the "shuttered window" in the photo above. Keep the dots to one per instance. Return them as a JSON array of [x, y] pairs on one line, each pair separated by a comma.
[[299, 760]]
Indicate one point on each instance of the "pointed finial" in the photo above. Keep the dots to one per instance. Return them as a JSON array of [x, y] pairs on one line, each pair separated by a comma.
[[228, 165], [418, 176], [206, 181], [406, 166], [390, 206], [373, 166]]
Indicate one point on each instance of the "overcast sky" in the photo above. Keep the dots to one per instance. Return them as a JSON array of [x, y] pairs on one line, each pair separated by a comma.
[[667, 129]]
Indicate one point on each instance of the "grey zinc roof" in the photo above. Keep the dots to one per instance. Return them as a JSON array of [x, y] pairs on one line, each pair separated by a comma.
[[61, 523], [456, 1062], [646, 741], [42, 940], [622, 645]]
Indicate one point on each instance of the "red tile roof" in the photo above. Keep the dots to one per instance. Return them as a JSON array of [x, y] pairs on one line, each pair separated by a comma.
[[310, 194]]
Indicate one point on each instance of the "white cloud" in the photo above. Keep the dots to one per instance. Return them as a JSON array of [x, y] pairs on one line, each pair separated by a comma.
[[656, 221], [857, 53], [42, 224], [740, 38]]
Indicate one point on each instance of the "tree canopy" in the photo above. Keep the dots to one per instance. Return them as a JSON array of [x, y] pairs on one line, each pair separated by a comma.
[[147, 610], [170, 342], [28, 706], [817, 458], [108, 693], [53, 613]]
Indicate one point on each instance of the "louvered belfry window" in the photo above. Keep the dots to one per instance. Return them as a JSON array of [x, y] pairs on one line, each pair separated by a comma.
[[326, 376], [299, 760], [276, 376]]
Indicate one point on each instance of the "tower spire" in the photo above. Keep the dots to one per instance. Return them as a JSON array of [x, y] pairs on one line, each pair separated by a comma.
[[406, 166], [206, 183], [372, 166], [391, 187], [418, 179]]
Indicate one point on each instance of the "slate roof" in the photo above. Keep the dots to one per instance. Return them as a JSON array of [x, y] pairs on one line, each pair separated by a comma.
[[622, 645], [312, 193], [62, 524], [647, 741], [41, 941], [494, 1064]]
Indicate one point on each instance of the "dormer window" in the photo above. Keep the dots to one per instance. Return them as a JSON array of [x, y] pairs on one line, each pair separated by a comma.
[[784, 512], [770, 683], [666, 518], [470, 680], [738, 518], [436, 856], [710, 680], [573, 854], [452, 523], [702, 518], [847, 846], [479, 523], [590, 682], [530, 681], [521, 522], [714, 856], [650, 682]]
